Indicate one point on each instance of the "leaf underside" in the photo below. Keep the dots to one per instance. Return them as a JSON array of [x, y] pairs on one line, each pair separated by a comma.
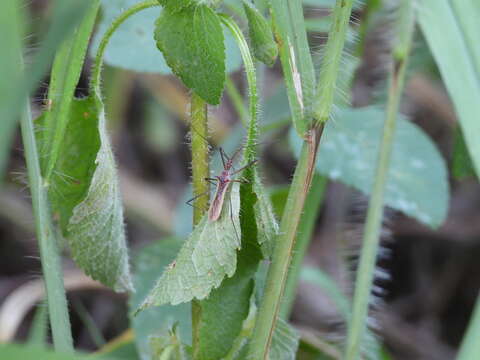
[[85, 197], [208, 255]]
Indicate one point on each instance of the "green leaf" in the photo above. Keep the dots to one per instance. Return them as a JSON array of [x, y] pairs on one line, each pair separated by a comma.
[[192, 42], [264, 46], [123, 350], [284, 342], [14, 351], [169, 347], [209, 254], [417, 184], [451, 30], [297, 64], [175, 5], [462, 166], [267, 226], [11, 26], [85, 196], [149, 264], [133, 47]]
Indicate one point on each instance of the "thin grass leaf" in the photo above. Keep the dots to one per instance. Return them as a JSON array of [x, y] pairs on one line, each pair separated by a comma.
[[297, 65], [209, 254], [451, 30]]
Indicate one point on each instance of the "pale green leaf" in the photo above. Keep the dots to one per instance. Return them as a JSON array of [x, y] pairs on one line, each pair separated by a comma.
[[267, 226], [209, 254], [451, 30], [85, 197], [192, 42], [261, 37], [284, 342], [417, 184], [148, 267], [14, 351], [169, 347], [133, 47]]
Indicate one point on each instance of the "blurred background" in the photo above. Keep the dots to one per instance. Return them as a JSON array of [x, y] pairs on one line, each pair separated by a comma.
[[428, 279]]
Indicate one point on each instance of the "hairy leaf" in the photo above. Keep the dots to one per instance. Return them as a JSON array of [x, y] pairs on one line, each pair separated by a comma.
[[209, 254], [451, 31], [176, 5], [264, 46], [417, 184], [133, 46], [85, 196], [192, 42], [148, 267]]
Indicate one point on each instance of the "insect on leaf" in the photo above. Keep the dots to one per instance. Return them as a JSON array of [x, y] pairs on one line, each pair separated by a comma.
[[208, 255], [85, 197]]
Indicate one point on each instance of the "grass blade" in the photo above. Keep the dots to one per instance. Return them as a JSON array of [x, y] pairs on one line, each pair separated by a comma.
[[451, 30]]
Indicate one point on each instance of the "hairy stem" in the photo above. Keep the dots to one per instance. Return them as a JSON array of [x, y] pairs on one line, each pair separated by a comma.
[[252, 87], [329, 72], [201, 188], [98, 62], [365, 272], [66, 71], [49, 252]]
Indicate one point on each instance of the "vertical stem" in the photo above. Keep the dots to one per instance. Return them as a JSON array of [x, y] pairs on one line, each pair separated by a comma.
[[282, 256], [365, 273], [304, 235], [49, 253], [200, 171]]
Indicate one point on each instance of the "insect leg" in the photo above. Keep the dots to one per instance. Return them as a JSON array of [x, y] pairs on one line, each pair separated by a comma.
[[244, 167]]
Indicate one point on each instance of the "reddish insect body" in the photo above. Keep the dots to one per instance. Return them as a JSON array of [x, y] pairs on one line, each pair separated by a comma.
[[223, 182]]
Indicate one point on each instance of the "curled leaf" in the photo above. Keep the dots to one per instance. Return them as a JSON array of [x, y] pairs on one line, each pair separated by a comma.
[[261, 36], [85, 197]]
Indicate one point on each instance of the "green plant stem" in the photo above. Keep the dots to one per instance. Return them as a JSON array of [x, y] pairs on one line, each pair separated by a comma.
[[278, 270], [252, 87], [49, 252], [98, 62], [200, 171], [66, 70], [304, 235], [236, 99], [365, 272], [470, 347], [331, 61]]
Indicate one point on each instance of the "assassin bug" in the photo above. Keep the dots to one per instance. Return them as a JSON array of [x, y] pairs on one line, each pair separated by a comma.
[[223, 182]]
